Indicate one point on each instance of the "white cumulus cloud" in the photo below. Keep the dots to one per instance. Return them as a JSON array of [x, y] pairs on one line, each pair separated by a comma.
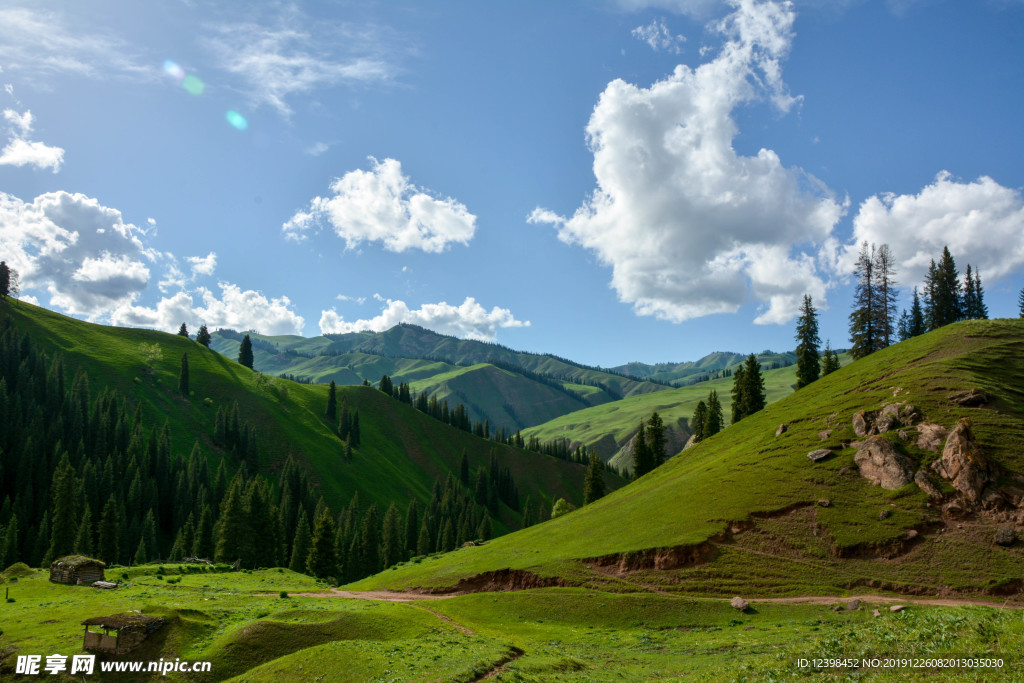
[[20, 151], [982, 223], [688, 226], [83, 253], [203, 265], [468, 320], [382, 205], [235, 308]]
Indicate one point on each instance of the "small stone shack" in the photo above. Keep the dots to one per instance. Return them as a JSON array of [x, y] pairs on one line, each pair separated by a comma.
[[76, 570], [121, 632]]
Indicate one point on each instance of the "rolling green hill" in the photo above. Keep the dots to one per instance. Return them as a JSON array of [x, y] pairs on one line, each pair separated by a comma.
[[709, 366], [403, 451], [746, 509], [515, 390]]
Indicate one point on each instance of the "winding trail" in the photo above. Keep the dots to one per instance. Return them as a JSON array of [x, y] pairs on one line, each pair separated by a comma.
[[408, 596]]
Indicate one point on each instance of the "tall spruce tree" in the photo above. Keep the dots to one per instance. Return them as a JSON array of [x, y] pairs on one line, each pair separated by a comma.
[[65, 518], [332, 402], [807, 342], [245, 356], [830, 360], [748, 390], [715, 420], [109, 532], [392, 546], [183, 388], [593, 483], [883, 271], [300, 547], [5, 280], [322, 560], [203, 336], [642, 462], [183, 330], [912, 324], [83, 539], [656, 440], [944, 304], [864, 334], [700, 416]]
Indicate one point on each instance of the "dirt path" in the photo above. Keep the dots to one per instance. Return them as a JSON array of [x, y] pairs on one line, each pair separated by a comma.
[[394, 596], [444, 617], [500, 666]]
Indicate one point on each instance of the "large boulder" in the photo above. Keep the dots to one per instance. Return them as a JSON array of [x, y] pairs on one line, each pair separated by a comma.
[[925, 483], [931, 437], [879, 461], [971, 398], [864, 423], [739, 603], [963, 464]]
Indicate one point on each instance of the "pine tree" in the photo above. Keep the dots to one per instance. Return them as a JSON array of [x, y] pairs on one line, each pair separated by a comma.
[[183, 376], [943, 288], [715, 419], [109, 532], [739, 400], [245, 356], [5, 280], [234, 540], [656, 440], [300, 547], [754, 393], [864, 334], [392, 543], [972, 303], [700, 416], [464, 469], [593, 483], [412, 523], [807, 358], [83, 539], [885, 287], [322, 560], [65, 511], [830, 360], [979, 297], [183, 330], [332, 402], [203, 336], [642, 461], [141, 557]]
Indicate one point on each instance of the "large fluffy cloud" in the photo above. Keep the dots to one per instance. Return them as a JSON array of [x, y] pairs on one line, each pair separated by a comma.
[[95, 264], [20, 151], [235, 308], [469, 319], [689, 226], [981, 222], [83, 253], [382, 205]]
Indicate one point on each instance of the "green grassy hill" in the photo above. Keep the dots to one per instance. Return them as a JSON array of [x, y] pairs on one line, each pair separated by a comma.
[[403, 450], [515, 390], [709, 365], [609, 428], [747, 509]]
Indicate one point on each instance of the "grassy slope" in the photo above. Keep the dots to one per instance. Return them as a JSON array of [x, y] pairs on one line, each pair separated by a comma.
[[609, 428], [746, 469], [402, 450], [680, 372]]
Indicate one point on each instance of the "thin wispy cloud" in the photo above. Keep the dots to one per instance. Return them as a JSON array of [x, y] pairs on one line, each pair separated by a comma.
[[659, 38], [291, 55], [36, 44]]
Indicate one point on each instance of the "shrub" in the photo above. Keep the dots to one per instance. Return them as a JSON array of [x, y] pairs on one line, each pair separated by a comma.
[[284, 594]]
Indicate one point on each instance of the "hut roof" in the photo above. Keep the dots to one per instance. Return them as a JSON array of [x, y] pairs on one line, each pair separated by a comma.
[[77, 561], [126, 620]]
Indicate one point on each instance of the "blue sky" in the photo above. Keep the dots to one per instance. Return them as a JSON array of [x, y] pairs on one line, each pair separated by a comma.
[[609, 181]]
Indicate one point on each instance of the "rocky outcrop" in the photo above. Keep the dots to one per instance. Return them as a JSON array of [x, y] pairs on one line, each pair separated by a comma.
[[963, 464], [879, 461], [925, 483], [783, 428], [819, 454], [931, 437], [971, 398]]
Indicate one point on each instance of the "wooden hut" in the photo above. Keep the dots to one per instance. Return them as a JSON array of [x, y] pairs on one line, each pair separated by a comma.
[[76, 569], [121, 632]]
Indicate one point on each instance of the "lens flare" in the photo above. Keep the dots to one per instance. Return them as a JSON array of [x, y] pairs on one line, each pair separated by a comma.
[[193, 85], [236, 120], [172, 69]]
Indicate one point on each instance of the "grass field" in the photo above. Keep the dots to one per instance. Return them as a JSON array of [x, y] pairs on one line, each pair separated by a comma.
[[239, 623]]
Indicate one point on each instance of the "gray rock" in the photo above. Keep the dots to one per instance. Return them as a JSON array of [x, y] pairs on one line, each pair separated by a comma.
[[783, 428], [844, 470], [963, 464], [884, 514], [853, 604], [909, 414], [904, 435], [863, 423], [897, 608], [971, 398], [931, 437], [953, 508], [824, 434], [925, 483], [879, 461], [886, 423], [739, 603], [1006, 536], [824, 502], [912, 534], [890, 409], [819, 454], [876, 613]]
